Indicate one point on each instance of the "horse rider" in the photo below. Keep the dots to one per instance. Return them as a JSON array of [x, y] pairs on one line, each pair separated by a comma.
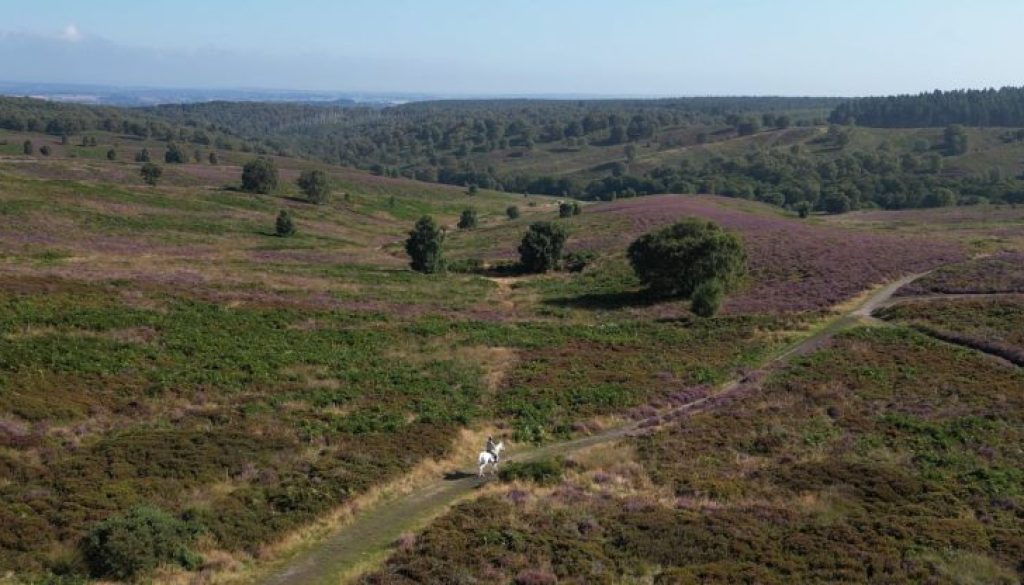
[[490, 447]]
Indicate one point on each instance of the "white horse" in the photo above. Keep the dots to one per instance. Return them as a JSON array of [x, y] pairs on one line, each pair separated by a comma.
[[487, 458]]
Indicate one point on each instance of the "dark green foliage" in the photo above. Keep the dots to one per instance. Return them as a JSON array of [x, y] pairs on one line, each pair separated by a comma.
[[541, 248], [940, 198], [142, 156], [44, 150], [284, 226], [473, 190], [175, 154], [27, 147], [151, 173], [425, 246], [675, 260], [213, 158], [259, 176], [955, 137], [135, 543], [577, 261], [111, 154], [468, 219], [315, 185], [569, 209], [836, 203], [542, 471], [707, 298], [512, 211], [803, 209], [973, 107]]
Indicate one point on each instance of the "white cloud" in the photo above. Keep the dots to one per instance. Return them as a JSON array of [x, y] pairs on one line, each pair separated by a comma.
[[71, 33]]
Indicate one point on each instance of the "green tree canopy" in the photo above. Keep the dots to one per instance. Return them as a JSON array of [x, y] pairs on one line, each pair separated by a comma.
[[259, 176], [315, 185], [468, 219], [425, 246], [541, 248], [151, 173], [676, 260], [284, 226]]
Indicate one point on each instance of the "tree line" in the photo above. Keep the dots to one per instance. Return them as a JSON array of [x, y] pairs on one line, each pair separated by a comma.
[[971, 107]]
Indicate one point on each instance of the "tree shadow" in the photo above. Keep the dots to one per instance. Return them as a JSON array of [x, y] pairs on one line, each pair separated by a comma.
[[457, 475], [607, 301]]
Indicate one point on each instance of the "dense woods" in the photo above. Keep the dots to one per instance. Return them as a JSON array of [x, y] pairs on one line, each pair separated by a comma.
[[973, 107]]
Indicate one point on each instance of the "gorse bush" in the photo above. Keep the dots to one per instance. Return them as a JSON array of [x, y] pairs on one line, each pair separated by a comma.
[[425, 246], [259, 176], [135, 543], [707, 298], [676, 260], [284, 226], [468, 219], [151, 173], [315, 185], [543, 471], [541, 248]]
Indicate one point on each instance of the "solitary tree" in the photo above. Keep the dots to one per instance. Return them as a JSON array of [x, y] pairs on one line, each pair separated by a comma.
[[467, 220], [175, 154], [569, 209], [314, 184], [541, 248], [284, 226], [512, 211], [803, 209], [27, 147], [425, 246], [111, 154], [44, 150], [213, 158], [151, 173], [259, 176], [676, 260]]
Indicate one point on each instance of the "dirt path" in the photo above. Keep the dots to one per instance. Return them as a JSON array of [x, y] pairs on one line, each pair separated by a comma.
[[368, 538]]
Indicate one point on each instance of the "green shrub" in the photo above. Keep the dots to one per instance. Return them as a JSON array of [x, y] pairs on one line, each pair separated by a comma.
[[284, 226], [44, 150], [28, 148], [675, 260], [569, 209], [111, 154], [151, 173], [175, 154], [139, 541], [542, 471], [314, 184], [142, 156], [468, 219], [541, 248], [466, 266], [259, 176], [577, 261], [425, 246], [707, 298], [803, 209], [512, 211]]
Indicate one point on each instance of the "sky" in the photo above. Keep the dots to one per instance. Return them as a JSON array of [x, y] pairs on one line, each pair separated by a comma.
[[520, 47]]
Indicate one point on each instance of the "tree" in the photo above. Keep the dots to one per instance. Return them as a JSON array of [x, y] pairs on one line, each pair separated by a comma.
[[284, 226], [836, 203], [425, 246], [473, 190], [955, 137], [569, 209], [631, 153], [315, 185], [44, 150], [151, 173], [28, 148], [135, 543], [677, 259], [213, 158], [175, 154], [111, 154], [512, 211], [467, 220], [803, 209], [707, 298], [541, 248], [142, 156], [939, 198], [259, 176]]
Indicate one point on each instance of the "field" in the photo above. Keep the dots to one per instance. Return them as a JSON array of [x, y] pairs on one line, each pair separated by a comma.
[[161, 346], [885, 457]]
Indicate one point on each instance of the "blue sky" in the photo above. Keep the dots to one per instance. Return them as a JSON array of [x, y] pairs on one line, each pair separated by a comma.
[[642, 47]]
